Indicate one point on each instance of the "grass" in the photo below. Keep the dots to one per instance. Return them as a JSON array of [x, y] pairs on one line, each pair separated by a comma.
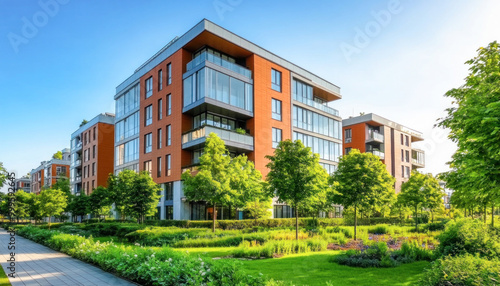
[[210, 252], [4, 280], [314, 269]]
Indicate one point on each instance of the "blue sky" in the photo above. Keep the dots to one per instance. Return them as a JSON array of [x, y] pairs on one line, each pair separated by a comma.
[[404, 55]]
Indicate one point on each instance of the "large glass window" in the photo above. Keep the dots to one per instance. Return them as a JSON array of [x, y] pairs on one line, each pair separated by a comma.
[[128, 101], [276, 80], [219, 86], [168, 165], [148, 142], [169, 135], [326, 149], [148, 115], [169, 191], [276, 137], [149, 86], [276, 109], [216, 121], [314, 122]]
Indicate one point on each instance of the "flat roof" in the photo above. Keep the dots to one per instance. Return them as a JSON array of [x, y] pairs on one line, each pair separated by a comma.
[[370, 117], [205, 25], [106, 117]]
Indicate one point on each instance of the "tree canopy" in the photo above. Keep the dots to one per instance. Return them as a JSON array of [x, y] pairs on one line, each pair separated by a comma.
[[474, 124], [52, 202], [143, 198], [58, 155], [295, 176], [362, 182]]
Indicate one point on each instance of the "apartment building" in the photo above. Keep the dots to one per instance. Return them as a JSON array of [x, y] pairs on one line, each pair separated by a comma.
[[50, 171], [23, 183], [212, 80], [390, 141], [92, 151]]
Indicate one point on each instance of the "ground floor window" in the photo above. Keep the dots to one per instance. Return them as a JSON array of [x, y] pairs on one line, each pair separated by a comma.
[[202, 211], [169, 212], [283, 211]]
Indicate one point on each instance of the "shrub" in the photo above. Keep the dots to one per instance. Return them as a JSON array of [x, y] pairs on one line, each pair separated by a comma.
[[468, 236], [221, 242], [379, 229], [464, 270], [145, 266], [279, 247]]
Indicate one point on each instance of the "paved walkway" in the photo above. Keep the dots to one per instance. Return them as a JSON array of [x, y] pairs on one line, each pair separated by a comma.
[[40, 265]]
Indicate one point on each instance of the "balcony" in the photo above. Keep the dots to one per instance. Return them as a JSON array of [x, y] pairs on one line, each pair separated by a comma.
[[374, 137], [378, 153], [77, 179], [417, 158], [77, 147], [76, 163], [220, 62], [317, 105], [196, 139]]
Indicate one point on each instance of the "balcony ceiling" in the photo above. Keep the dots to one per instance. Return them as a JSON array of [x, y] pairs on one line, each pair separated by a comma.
[[208, 39]]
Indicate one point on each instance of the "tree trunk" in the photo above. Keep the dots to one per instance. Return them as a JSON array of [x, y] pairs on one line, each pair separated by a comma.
[[355, 221], [49, 222], [416, 218], [214, 216], [492, 215], [296, 223]]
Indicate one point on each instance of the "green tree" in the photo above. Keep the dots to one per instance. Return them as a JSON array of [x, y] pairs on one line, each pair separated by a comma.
[[63, 185], [259, 209], [212, 182], [83, 122], [295, 176], [362, 182], [3, 175], [143, 197], [57, 155], [119, 188], [22, 204], [52, 202], [79, 205], [474, 124], [99, 202], [421, 191]]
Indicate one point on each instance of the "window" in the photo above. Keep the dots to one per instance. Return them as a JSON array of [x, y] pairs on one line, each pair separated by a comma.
[[94, 133], [169, 135], [148, 115], [148, 167], [93, 169], [407, 171], [407, 153], [276, 137], [347, 136], [169, 104], [160, 80], [402, 155], [84, 172], [167, 162], [85, 155], [276, 80], [160, 109], [148, 142], [93, 151], [403, 171], [347, 150], [402, 143], [169, 191], [169, 74], [158, 139], [326, 149], [169, 212], [407, 140], [276, 109], [158, 166], [149, 86]]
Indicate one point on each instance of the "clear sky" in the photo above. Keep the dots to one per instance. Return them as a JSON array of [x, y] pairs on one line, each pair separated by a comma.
[[60, 60]]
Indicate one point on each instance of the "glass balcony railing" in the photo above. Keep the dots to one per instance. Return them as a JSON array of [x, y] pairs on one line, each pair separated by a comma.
[[220, 62], [418, 157], [378, 153], [223, 134], [317, 105], [375, 136]]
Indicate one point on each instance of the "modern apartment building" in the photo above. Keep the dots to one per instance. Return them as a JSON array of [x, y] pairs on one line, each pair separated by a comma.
[[390, 141], [23, 183], [211, 80], [50, 171], [92, 147]]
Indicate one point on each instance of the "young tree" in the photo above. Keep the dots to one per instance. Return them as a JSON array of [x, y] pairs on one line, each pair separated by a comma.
[[212, 182], [363, 182], [295, 176], [22, 204], [143, 197], [3, 175], [119, 188], [57, 155], [99, 202], [52, 202], [84, 121], [259, 209], [421, 190], [474, 122], [79, 205]]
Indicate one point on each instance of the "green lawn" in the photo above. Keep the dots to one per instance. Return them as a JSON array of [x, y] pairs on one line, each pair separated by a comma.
[[4, 280], [315, 269]]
